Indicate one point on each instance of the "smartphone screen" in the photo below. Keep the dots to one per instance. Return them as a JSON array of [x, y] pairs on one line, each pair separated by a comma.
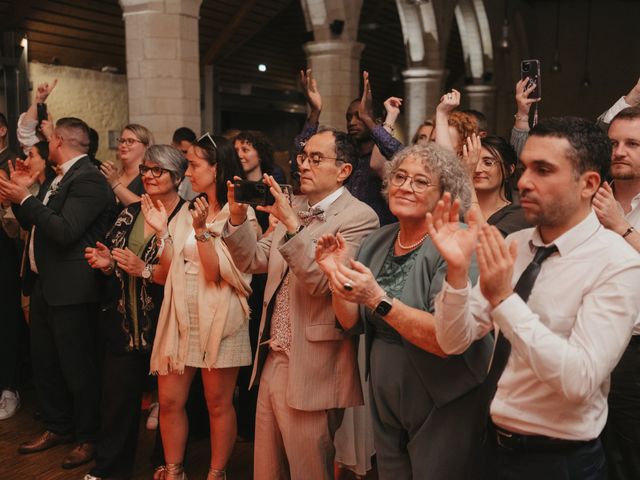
[[257, 193], [530, 70]]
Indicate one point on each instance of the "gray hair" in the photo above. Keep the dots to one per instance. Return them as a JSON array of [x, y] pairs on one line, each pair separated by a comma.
[[451, 174], [169, 158]]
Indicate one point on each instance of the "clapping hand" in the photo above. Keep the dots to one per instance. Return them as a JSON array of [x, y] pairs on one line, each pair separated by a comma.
[[495, 262], [110, 172], [98, 257], [608, 210], [16, 188], [199, 212], [455, 243], [128, 261], [154, 215], [331, 250]]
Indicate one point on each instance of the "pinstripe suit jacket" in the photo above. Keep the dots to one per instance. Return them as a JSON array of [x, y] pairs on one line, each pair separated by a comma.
[[323, 371]]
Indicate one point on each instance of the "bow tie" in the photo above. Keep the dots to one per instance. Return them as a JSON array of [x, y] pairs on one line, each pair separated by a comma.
[[307, 216]]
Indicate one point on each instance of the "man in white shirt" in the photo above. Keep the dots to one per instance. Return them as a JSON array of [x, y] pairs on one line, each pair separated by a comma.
[[305, 363], [561, 323], [618, 209]]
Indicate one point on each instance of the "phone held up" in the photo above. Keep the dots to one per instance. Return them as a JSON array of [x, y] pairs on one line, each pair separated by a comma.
[[192, 203], [530, 70], [257, 193], [42, 113]]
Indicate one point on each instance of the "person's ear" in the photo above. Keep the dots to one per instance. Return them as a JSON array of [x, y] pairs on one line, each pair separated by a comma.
[[345, 170], [591, 182]]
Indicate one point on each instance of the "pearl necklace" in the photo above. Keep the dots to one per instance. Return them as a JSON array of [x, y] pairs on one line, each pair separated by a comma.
[[413, 245]]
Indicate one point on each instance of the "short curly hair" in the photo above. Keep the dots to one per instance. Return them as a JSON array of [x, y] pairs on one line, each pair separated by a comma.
[[439, 161]]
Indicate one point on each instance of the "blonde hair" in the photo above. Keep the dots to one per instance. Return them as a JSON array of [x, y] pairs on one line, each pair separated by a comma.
[[141, 132]]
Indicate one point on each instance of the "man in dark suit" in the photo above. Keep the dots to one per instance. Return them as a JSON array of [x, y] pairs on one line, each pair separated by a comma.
[[72, 214]]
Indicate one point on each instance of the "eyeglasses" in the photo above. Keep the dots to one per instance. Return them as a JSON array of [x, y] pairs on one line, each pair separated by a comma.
[[156, 172], [418, 183], [207, 138], [315, 159], [129, 142], [487, 162]]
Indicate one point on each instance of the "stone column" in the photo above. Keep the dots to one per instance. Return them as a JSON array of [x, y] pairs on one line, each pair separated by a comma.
[[422, 92], [482, 98], [336, 68], [163, 64]]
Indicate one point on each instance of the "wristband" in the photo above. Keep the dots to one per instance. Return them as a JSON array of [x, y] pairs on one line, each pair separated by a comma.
[[521, 118], [204, 236], [288, 236], [116, 185], [390, 127]]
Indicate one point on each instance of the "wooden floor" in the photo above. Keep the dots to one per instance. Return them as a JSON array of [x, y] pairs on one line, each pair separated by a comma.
[[46, 465]]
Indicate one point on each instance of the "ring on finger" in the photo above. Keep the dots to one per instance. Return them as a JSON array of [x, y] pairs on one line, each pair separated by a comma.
[[347, 286]]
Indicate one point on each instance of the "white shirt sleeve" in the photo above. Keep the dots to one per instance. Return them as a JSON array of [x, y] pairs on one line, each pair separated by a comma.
[[616, 108], [576, 365]]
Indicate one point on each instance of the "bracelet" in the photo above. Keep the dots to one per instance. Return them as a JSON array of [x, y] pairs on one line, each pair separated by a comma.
[[521, 118], [629, 231], [389, 126], [165, 236], [116, 185], [288, 236], [204, 236]]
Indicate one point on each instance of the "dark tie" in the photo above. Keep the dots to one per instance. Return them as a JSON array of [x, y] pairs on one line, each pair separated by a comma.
[[308, 215], [523, 288]]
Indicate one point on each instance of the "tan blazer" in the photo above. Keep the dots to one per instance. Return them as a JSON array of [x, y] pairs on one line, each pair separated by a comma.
[[323, 371]]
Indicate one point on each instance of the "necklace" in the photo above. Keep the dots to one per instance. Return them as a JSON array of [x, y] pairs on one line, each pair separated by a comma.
[[413, 245]]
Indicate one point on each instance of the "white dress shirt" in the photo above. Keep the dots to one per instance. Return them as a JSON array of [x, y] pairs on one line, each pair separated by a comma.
[[633, 217], [565, 340], [64, 168]]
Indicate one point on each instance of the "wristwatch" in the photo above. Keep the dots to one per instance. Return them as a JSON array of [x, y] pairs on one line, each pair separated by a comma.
[[384, 306], [204, 236], [147, 271]]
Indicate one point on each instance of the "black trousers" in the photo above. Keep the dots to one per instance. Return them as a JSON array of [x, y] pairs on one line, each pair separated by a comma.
[[123, 381], [621, 436], [585, 463], [63, 351]]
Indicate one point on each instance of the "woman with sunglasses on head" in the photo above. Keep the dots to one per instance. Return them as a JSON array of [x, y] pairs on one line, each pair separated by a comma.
[[491, 164], [203, 323], [428, 411], [126, 183], [130, 312]]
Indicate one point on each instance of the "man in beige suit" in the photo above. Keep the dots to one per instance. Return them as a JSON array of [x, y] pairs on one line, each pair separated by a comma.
[[305, 364]]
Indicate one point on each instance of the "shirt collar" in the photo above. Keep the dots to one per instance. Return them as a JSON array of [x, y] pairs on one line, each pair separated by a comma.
[[635, 201], [326, 202], [572, 238], [66, 166]]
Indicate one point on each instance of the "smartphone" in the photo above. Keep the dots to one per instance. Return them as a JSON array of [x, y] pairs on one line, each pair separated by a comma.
[[257, 193], [192, 205], [42, 113], [530, 70]]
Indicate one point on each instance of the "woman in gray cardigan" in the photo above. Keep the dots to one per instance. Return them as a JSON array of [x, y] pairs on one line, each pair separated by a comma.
[[429, 410]]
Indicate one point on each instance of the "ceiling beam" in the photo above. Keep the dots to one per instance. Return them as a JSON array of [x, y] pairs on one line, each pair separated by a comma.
[[217, 46]]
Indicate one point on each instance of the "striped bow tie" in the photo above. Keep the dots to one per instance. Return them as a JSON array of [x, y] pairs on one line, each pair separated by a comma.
[[308, 215]]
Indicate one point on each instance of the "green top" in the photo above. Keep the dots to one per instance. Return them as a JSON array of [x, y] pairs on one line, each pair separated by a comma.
[[392, 277], [136, 244]]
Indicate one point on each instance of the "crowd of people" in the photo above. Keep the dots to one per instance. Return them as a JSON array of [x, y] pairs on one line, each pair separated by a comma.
[[463, 307]]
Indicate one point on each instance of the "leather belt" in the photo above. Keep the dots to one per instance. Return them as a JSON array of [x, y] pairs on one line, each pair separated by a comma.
[[537, 443]]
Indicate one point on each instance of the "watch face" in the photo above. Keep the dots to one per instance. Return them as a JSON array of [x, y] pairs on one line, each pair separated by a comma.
[[146, 273], [384, 307]]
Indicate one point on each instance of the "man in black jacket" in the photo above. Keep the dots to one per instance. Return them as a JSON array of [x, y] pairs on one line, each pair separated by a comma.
[[69, 215]]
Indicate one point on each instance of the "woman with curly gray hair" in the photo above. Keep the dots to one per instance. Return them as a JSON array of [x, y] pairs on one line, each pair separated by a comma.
[[428, 409]]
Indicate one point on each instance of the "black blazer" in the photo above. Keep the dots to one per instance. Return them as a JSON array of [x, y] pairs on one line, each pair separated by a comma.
[[77, 215]]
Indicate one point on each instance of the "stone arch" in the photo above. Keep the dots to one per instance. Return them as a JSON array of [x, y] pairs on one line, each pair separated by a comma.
[[475, 34]]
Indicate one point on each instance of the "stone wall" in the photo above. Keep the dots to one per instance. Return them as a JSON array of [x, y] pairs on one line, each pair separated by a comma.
[[100, 99]]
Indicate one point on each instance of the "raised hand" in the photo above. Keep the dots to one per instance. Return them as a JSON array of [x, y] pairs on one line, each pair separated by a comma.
[[98, 257], [392, 106], [237, 210], [310, 90], [608, 210], [199, 214], [46, 127], [495, 261], [449, 102], [365, 108], [44, 90], [128, 261], [110, 172], [330, 251], [471, 150], [455, 244], [281, 208], [21, 174], [154, 215]]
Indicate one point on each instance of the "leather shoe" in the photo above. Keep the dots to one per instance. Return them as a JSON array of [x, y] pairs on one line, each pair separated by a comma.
[[45, 441], [81, 454]]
